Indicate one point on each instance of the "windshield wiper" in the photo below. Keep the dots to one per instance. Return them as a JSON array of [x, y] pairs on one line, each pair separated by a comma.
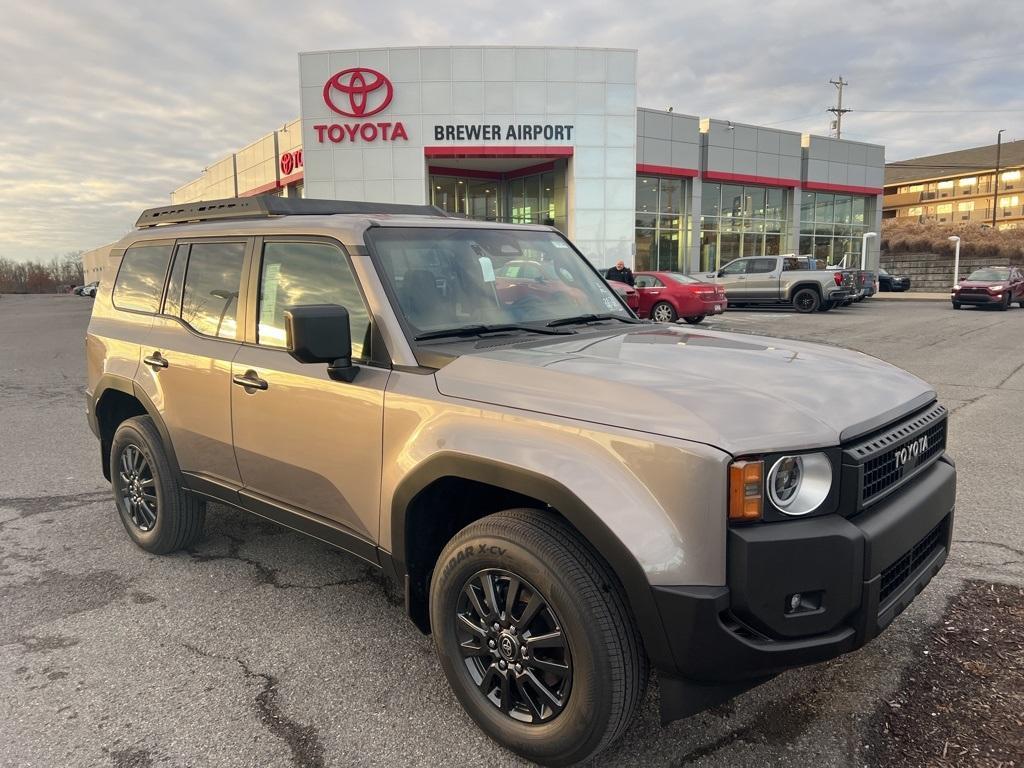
[[590, 319], [476, 330]]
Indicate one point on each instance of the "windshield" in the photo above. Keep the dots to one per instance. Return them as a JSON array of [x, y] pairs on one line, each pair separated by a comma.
[[984, 275], [684, 279], [450, 278]]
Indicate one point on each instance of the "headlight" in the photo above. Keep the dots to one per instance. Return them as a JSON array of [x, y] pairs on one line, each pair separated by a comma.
[[798, 485], [956, 287], [996, 288]]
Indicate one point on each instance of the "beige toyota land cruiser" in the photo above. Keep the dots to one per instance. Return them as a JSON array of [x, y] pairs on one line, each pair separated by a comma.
[[566, 495]]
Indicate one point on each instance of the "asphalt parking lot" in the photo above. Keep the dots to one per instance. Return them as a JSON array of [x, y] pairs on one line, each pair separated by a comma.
[[262, 648]]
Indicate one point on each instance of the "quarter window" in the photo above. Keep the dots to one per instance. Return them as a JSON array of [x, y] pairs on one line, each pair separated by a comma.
[[213, 278], [140, 280], [300, 274]]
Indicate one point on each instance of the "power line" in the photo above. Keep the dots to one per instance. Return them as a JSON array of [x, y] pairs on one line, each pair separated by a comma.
[[935, 111]]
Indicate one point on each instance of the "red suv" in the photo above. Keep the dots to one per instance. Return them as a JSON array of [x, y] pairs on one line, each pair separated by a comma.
[[991, 286], [667, 296]]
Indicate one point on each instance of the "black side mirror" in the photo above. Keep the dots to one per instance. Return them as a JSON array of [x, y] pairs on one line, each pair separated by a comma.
[[321, 333]]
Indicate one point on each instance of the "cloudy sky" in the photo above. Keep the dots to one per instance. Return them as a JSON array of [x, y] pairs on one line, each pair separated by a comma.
[[108, 106]]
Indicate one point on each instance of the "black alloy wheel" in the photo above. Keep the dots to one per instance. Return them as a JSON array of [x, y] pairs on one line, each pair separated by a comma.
[[806, 300], [513, 646], [136, 486]]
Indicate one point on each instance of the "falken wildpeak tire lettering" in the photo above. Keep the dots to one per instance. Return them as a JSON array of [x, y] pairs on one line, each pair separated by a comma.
[[609, 668], [180, 516]]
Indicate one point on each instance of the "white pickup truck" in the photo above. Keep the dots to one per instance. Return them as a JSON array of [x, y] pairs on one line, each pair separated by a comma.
[[789, 279]]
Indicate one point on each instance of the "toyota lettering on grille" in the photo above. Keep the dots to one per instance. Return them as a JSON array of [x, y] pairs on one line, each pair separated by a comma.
[[909, 453]]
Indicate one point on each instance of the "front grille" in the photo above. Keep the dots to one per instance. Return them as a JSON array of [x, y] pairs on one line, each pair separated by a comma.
[[891, 458], [896, 575]]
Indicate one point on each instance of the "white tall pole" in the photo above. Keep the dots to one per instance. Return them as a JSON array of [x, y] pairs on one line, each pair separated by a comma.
[[956, 259], [864, 249]]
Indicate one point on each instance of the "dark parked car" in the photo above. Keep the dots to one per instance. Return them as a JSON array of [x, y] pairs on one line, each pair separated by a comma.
[[667, 296], [894, 283], [992, 286]]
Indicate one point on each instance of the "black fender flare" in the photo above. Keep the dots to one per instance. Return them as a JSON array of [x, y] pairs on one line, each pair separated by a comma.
[[110, 381], [529, 483]]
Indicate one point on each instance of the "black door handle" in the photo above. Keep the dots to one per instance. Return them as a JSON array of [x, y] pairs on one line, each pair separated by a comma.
[[156, 360], [249, 380]]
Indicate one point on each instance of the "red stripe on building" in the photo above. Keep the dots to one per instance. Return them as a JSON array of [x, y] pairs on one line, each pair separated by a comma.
[[271, 186], [471, 173], [666, 170], [743, 178], [503, 151], [821, 186]]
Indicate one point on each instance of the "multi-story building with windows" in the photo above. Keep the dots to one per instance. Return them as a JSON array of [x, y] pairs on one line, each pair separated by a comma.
[[554, 135], [960, 186]]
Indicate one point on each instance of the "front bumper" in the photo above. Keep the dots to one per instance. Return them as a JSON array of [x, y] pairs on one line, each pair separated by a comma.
[[977, 298], [856, 575]]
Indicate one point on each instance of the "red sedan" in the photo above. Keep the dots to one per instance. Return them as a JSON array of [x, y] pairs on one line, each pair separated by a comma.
[[667, 296]]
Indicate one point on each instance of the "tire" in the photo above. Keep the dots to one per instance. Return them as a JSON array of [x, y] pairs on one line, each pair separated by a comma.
[[695, 319], [806, 301], [583, 601], [666, 311], [956, 305], [163, 518], [1021, 303], [1006, 304]]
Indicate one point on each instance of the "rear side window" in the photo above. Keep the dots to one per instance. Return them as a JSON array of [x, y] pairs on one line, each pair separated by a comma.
[[300, 274], [140, 280], [761, 266], [213, 278]]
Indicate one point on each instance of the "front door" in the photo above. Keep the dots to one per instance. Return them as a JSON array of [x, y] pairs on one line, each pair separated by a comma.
[[304, 442], [187, 371], [733, 278]]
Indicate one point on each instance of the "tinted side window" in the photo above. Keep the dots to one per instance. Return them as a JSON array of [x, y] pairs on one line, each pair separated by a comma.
[[299, 274], [140, 280], [761, 266], [209, 301]]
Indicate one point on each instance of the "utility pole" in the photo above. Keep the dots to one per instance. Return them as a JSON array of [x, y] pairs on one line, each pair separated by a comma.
[[995, 178], [838, 110]]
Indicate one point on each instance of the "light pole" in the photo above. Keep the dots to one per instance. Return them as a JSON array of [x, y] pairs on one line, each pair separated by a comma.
[[995, 178], [956, 259], [864, 248]]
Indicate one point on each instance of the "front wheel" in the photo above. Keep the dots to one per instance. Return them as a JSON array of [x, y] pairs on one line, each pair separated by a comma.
[[1006, 304], [663, 312], [535, 637], [806, 300], [695, 319], [956, 305]]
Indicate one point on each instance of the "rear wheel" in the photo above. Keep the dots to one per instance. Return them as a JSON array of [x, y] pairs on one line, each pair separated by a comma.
[[695, 319], [157, 513], [806, 300], [663, 312], [535, 636]]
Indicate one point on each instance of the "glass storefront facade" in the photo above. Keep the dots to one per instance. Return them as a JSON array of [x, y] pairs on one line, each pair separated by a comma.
[[523, 200], [832, 225], [741, 220], [662, 223]]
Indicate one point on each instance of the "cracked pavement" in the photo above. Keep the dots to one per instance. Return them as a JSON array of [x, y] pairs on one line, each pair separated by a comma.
[[259, 647]]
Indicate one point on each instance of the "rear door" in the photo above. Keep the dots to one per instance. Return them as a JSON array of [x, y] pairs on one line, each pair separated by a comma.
[[649, 290], [762, 281], [186, 369], [305, 443]]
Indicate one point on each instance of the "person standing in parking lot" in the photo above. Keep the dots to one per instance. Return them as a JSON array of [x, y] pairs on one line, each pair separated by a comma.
[[621, 273]]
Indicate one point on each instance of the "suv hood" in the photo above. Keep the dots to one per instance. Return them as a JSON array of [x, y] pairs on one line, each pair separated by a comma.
[[740, 393]]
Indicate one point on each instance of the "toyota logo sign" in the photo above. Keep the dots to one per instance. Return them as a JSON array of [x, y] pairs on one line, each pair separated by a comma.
[[358, 92]]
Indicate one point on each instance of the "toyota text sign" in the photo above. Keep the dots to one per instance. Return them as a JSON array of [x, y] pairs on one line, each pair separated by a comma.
[[359, 92]]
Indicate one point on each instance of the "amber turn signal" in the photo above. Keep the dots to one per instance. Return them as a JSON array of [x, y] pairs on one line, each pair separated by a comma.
[[746, 481]]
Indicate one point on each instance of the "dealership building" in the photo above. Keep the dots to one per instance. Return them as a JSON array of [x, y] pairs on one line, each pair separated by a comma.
[[554, 135]]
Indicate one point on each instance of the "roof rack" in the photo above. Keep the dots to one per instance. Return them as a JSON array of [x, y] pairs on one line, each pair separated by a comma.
[[264, 206]]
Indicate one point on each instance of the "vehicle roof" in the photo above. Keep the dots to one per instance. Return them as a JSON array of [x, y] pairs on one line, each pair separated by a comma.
[[347, 227]]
